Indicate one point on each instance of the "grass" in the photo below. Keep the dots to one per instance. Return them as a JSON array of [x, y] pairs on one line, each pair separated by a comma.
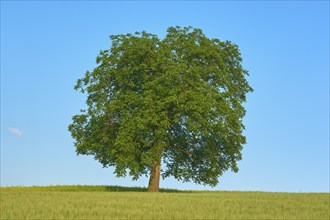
[[113, 202]]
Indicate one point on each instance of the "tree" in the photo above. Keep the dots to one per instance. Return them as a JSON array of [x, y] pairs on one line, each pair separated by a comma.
[[176, 102]]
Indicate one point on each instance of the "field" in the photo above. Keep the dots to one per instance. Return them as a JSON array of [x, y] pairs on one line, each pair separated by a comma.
[[111, 202]]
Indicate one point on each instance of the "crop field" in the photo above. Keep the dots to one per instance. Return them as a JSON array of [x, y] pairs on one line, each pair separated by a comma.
[[111, 202]]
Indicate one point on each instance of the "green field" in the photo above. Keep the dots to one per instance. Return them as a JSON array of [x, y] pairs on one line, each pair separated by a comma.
[[111, 202]]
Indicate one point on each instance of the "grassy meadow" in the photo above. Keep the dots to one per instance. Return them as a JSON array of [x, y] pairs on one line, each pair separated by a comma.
[[113, 202]]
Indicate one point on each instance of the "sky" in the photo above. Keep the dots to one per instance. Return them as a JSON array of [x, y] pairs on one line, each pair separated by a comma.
[[47, 46]]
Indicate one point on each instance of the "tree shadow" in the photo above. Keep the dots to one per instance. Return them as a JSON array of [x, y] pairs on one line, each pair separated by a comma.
[[141, 189]]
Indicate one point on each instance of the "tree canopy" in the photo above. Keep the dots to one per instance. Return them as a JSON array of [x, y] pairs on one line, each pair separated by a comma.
[[175, 101]]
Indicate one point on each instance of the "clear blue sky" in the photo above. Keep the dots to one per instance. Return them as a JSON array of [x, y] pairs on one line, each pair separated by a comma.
[[47, 46]]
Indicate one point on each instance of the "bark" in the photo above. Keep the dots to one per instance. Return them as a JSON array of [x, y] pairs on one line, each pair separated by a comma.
[[154, 178]]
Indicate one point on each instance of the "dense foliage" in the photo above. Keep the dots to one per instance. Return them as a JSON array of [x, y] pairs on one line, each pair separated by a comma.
[[177, 101]]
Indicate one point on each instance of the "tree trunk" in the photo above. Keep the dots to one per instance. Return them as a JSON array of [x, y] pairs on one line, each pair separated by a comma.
[[154, 178]]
